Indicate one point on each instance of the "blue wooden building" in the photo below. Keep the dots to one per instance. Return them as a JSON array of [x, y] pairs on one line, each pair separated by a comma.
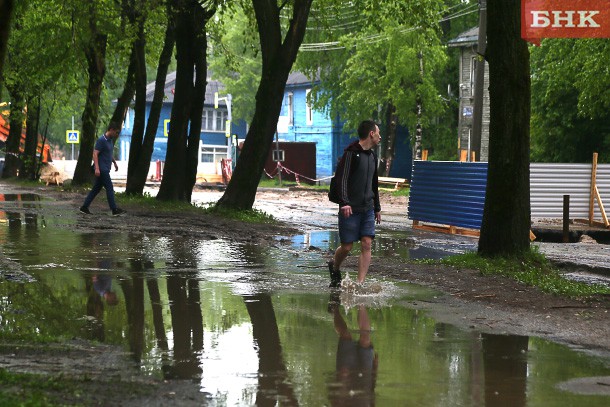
[[214, 144], [298, 122]]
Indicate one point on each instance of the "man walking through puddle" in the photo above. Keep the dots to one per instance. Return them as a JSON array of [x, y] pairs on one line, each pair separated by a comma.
[[103, 159], [358, 194]]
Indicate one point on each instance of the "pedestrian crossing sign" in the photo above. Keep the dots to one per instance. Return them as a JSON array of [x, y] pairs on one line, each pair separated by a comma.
[[72, 136]]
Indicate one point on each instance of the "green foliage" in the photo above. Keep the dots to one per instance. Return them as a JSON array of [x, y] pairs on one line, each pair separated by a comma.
[[570, 100], [532, 269], [236, 58]]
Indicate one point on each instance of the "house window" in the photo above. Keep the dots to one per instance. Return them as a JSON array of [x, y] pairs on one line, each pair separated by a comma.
[[213, 154], [290, 108], [308, 109], [220, 120], [473, 74], [213, 120]]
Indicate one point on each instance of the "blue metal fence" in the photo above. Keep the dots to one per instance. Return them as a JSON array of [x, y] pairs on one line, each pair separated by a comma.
[[448, 193]]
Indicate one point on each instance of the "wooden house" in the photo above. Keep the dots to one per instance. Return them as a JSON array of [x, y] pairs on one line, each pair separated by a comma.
[[466, 42], [214, 143], [299, 122]]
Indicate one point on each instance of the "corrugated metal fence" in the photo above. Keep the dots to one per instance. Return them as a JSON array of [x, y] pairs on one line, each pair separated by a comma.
[[453, 193]]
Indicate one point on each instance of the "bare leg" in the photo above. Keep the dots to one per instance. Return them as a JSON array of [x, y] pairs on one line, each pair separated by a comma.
[[364, 260], [341, 253]]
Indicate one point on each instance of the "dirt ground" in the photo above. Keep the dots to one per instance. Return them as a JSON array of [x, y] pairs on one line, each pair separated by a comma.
[[472, 301]]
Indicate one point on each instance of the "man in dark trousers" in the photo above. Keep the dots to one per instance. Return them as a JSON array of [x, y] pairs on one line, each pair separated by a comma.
[[103, 158], [359, 208]]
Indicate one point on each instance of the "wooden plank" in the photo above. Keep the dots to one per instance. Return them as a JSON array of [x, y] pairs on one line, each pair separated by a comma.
[[396, 182], [454, 230], [601, 206], [593, 185]]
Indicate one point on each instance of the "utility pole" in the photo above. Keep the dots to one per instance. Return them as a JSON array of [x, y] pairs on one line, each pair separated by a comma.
[[227, 100], [418, 129], [479, 82]]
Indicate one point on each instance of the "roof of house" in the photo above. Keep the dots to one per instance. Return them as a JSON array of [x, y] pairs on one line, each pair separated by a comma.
[[294, 79], [467, 38], [170, 84]]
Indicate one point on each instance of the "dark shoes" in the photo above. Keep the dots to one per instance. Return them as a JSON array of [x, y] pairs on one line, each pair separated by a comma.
[[335, 275], [85, 210], [118, 212]]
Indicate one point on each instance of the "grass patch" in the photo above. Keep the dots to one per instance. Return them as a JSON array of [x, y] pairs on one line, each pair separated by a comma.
[[249, 216], [33, 390], [532, 269], [150, 202], [401, 192]]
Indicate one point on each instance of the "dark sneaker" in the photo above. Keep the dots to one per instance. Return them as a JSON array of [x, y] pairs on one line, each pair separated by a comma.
[[335, 275], [85, 210], [118, 212]]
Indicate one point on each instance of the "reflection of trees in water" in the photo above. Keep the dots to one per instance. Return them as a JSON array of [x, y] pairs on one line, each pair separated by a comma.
[[505, 362], [274, 384], [185, 308]]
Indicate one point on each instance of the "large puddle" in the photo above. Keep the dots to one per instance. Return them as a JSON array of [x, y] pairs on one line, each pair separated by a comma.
[[257, 326]]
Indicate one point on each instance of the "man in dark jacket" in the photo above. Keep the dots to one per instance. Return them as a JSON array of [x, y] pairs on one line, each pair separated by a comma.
[[359, 208]]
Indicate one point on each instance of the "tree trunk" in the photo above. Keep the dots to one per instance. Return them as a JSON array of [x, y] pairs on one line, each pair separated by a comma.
[[390, 141], [506, 216], [129, 89], [6, 13], [137, 179], [278, 58], [197, 103], [181, 156], [139, 121], [95, 53], [12, 160], [173, 184], [28, 158]]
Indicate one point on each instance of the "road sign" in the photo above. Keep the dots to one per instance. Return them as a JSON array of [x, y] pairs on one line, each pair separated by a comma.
[[166, 127], [72, 136]]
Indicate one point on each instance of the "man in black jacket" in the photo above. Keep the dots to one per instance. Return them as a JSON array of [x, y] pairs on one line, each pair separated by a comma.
[[359, 208]]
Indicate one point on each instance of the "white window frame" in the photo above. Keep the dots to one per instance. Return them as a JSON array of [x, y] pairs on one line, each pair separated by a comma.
[[473, 74], [216, 151], [290, 108], [308, 108], [211, 115]]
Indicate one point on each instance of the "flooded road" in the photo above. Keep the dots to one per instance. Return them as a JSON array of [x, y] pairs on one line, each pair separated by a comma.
[[251, 325]]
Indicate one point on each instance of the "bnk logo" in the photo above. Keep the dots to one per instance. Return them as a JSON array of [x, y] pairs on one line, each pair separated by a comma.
[[564, 19], [568, 19]]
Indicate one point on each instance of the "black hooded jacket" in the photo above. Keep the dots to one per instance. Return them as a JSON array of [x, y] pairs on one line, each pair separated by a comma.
[[356, 178]]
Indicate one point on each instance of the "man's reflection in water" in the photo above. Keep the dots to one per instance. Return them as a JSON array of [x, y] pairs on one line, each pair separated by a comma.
[[102, 284], [354, 383]]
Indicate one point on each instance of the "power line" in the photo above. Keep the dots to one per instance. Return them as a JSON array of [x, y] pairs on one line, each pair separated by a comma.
[[336, 45]]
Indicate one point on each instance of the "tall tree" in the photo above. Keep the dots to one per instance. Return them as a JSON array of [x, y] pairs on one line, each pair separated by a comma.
[[29, 157], [191, 79], [570, 100], [95, 53], [278, 55], [372, 67], [506, 215], [6, 13], [137, 178]]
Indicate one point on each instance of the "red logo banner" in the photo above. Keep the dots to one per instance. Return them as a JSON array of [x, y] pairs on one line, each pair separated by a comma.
[[564, 19]]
